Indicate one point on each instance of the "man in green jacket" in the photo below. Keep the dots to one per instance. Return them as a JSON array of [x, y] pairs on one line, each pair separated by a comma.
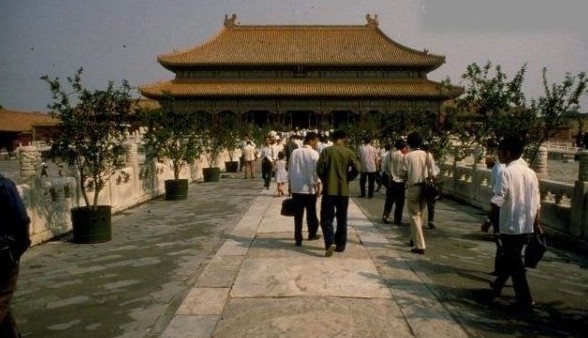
[[337, 165]]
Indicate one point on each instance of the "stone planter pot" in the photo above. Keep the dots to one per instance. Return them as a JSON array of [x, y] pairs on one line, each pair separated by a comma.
[[232, 166], [91, 225], [176, 189], [211, 174]]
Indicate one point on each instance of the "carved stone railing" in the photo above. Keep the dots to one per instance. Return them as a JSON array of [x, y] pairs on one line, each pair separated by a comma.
[[563, 206], [49, 199]]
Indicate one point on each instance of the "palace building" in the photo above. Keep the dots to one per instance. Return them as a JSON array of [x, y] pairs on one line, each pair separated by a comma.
[[304, 76]]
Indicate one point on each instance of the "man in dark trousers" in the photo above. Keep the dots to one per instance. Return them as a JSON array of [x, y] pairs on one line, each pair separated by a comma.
[[14, 241], [396, 189], [517, 203], [305, 186], [369, 158], [333, 170]]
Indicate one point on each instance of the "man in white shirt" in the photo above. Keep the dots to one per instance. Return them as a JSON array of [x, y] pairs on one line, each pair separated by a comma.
[[305, 186], [368, 155], [518, 202], [419, 167], [394, 168]]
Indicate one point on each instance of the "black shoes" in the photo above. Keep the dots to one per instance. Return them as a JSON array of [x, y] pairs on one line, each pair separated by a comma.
[[385, 220], [496, 291], [339, 249], [411, 243], [298, 243], [418, 251], [431, 225], [314, 238]]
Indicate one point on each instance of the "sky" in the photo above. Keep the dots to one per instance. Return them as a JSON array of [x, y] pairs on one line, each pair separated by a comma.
[[120, 39]]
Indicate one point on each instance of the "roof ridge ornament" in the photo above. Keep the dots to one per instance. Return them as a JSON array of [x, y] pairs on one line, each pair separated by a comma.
[[372, 22], [230, 22]]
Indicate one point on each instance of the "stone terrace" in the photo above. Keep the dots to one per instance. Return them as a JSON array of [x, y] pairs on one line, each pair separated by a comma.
[[223, 264]]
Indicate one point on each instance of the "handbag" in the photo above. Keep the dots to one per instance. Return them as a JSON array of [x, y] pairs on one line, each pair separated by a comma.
[[288, 207], [352, 171], [431, 190], [534, 250]]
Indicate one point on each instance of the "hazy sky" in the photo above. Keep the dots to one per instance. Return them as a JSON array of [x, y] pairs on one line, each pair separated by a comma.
[[120, 39]]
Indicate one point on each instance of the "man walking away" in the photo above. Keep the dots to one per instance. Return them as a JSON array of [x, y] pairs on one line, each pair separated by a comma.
[[517, 203], [369, 165], [305, 186], [14, 241], [395, 191], [418, 169], [267, 162], [333, 168]]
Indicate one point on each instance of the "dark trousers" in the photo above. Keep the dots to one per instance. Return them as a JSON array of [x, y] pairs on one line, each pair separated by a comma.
[[308, 202], [7, 287], [371, 178], [431, 210], [511, 265], [334, 207], [266, 172], [395, 194]]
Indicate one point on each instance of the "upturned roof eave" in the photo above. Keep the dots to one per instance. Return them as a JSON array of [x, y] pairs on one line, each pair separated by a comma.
[[177, 66]]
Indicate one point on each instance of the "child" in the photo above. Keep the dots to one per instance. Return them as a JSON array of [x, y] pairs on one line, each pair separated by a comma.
[[281, 173]]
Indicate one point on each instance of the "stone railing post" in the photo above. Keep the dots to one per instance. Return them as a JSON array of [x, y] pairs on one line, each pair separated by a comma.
[[29, 160], [132, 159], [579, 216], [540, 163]]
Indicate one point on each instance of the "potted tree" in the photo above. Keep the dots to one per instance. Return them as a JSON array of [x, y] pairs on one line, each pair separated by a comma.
[[91, 132], [231, 140], [173, 134], [214, 138]]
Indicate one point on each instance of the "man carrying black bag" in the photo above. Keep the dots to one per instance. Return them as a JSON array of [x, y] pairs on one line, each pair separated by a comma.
[[517, 203], [305, 186], [14, 241]]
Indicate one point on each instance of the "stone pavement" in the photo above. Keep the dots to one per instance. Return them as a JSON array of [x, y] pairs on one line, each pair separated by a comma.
[[223, 263], [260, 285], [457, 266]]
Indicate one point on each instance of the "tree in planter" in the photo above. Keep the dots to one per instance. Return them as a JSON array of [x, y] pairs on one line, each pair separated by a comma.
[[231, 140], [91, 132], [559, 104], [500, 108], [173, 134], [495, 106], [215, 134]]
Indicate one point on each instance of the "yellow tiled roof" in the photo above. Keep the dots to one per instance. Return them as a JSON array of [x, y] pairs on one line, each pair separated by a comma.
[[17, 121], [363, 46], [300, 88]]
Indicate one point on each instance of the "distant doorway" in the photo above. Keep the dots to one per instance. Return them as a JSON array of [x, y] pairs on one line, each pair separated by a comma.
[[343, 118], [259, 118], [303, 119]]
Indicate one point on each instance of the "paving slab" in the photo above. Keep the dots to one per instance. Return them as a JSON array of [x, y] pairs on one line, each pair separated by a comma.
[[304, 317], [309, 276], [204, 301]]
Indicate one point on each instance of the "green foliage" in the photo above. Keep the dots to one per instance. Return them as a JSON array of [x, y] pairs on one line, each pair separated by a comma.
[[233, 132], [92, 128], [498, 108], [221, 132], [172, 133], [559, 104]]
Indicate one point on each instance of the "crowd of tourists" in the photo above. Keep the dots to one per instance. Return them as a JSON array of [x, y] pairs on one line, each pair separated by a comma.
[[310, 164], [402, 171]]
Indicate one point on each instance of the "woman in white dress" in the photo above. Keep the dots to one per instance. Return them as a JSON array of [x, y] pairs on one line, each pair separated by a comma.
[[281, 173]]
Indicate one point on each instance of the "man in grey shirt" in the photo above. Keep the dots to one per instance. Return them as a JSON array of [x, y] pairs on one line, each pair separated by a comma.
[[369, 157]]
